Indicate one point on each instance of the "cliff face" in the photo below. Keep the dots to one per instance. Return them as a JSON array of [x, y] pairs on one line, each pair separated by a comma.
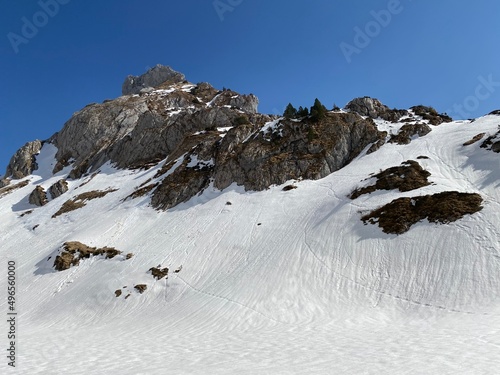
[[205, 136]]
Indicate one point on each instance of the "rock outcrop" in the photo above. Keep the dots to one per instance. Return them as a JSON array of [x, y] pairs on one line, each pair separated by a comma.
[[374, 109], [38, 197], [72, 252], [492, 143], [132, 131], [23, 163], [408, 131], [58, 189], [256, 157], [152, 78]]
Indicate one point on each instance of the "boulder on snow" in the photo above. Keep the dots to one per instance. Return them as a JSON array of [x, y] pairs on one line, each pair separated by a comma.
[[58, 189], [38, 197]]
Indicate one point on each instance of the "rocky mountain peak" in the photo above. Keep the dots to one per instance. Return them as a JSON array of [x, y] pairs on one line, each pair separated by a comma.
[[371, 107], [152, 78]]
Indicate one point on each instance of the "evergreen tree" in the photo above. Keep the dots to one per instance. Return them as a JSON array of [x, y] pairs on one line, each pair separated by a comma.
[[318, 111], [302, 112], [290, 111]]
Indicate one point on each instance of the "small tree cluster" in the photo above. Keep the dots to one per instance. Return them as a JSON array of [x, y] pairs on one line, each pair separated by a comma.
[[317, 112]]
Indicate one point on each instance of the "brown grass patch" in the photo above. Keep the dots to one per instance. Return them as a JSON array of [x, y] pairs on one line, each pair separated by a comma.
[[80, 201], [11, 188], [398, 216], [409, 176], [142, 191]]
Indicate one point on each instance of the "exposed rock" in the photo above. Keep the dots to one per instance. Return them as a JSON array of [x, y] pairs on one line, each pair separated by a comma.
[[431, 115], [492, 143], [73, 252], [408, 131], [58, 189], [118, 292], [23, 163], [409, 176], [11, 188], [152, 78], [135, 131], [474, 139], [159, 273], [495, 112], [141, 288], [247, 103], [373, 108], [4, 182], [38, 197], [398, 216], [382, 139]]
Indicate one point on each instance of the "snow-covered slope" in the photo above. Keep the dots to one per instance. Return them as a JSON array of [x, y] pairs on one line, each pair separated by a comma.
[[272, 282]]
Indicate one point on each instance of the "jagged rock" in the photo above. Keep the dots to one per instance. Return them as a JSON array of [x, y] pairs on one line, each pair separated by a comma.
[[4, 182], [382, 139], [247, 103], [38, 197], [431, 115], [58, 189], [259, 159], [72, 252], [492, 143], [408, 131], [152, 78], [141, 288], [294, 150], [373, 108], [495, 112], [135, 130], [159, 273], [23, 163]]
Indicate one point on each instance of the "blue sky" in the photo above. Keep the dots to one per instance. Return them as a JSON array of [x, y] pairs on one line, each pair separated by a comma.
[[441, 53]]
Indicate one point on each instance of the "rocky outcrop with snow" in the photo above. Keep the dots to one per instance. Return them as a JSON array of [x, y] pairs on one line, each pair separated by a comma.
[[152, 78], [23, 163]]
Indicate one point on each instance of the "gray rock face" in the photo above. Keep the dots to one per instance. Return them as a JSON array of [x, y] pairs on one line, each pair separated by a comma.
[[38, 197], [373, 108], [152, 78], [58, 189], [258, 159], [135, 130], [23, 163]]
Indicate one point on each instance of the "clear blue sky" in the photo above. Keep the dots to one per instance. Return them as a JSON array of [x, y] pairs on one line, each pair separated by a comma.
[[441, 53]]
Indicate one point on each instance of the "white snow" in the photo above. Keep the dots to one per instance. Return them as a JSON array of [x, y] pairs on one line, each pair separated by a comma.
[[275, 283]]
